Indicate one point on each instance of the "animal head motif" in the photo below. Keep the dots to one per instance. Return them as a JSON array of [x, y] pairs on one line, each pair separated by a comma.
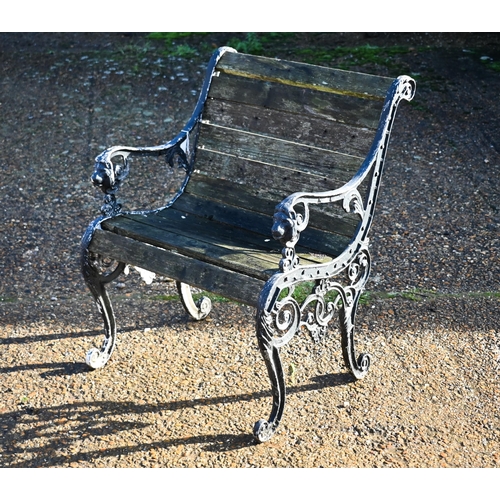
[[285, 227], [108, 176]]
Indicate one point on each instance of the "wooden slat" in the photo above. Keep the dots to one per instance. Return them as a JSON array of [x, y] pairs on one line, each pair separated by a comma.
[[230, 254], [292, 158], [305, 75], [208, 239], [310, 130], [254, 176], [301, 101], [257, 227], [263, 200], [179, 267], [223, 211]]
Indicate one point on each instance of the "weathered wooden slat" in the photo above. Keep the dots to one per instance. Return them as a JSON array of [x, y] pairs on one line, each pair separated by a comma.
[[206, 240], [227, 254], [305, 129], [179, 267], [293, 159], [241, 216], [263, 199], [305, 75], [301, 101], [256, 228], [279, 181]]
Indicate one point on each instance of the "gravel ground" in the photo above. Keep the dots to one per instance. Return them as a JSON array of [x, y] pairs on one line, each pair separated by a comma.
[[182, 394]]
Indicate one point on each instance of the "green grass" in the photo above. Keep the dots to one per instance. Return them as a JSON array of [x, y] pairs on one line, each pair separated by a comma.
[[181, 44], [259, 44], [191, 44], [303, 290], [172, 35], [347, 57], [251, 44], [7, 299], [493, 65]]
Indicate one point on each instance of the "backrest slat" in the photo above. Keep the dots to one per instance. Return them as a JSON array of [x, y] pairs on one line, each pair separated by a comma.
[[305, 75], [313, 130], [282, 161], [354, 110]]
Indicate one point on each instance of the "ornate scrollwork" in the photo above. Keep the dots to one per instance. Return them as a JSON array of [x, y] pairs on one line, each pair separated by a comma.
[[177, 157], [353, 202], [290, 259], [317, 312], [111, 206], [282, 322], [319, 307], [406, 87]]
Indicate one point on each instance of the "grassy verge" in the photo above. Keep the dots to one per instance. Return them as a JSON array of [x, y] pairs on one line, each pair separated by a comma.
[[368, 297], [183, 44]]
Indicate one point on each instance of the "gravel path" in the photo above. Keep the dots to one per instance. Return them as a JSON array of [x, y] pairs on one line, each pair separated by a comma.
[[182, 394]]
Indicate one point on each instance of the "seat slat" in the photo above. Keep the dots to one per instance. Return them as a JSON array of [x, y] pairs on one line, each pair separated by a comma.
[[206, 241], [259, 225], [207, 276], [227, 254]]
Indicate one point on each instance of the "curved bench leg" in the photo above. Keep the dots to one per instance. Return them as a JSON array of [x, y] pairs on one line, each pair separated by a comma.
[[96, 280], [197, 310], [358, 365], [272, 334]]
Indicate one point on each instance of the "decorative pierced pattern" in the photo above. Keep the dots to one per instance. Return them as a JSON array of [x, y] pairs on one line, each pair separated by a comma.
[[319, 307]]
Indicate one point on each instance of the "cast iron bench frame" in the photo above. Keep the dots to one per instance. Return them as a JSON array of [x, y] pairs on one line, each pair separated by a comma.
[[338, 265]]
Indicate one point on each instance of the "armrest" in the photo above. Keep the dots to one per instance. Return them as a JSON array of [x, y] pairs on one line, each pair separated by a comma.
[[112, 166], [289, 222]]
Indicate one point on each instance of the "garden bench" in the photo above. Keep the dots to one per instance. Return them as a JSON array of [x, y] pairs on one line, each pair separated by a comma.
[[282, 163]]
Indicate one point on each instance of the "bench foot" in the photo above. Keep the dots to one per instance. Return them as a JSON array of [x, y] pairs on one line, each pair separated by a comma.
[[263, 431], [197, 310], [96, 358]]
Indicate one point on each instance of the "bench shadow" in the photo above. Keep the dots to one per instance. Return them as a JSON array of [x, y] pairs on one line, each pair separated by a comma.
[[63, 335], [62, 428]]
